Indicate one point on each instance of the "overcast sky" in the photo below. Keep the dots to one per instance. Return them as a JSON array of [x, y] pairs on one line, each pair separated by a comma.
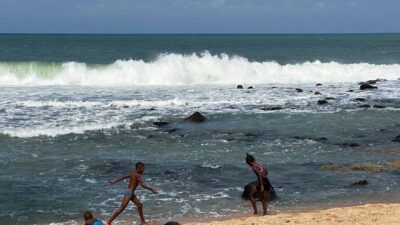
[[199, 16]]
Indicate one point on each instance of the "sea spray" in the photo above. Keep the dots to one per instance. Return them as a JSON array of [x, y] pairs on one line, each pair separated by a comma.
[[194, 69]]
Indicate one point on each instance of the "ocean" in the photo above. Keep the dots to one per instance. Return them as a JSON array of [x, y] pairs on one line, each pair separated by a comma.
[[78, 110]]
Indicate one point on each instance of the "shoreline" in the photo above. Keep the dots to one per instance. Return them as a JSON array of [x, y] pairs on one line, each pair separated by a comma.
[[388, 214]]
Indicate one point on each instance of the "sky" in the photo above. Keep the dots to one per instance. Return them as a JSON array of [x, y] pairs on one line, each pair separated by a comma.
[[199, 16]]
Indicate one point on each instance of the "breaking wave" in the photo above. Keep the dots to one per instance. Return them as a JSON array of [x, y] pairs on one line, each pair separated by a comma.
[[194, 69]]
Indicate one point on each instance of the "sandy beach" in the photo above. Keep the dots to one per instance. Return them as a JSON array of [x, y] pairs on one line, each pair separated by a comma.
[[386, 214]]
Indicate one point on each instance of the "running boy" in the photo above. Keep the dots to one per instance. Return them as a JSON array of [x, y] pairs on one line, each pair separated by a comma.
[[129, 195], [263, 187]]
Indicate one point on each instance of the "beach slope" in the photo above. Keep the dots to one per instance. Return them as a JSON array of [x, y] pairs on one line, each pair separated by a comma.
[[388, 214]]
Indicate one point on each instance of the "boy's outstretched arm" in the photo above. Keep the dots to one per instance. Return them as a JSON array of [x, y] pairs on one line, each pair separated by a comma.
[[118, 179], [149, 188]]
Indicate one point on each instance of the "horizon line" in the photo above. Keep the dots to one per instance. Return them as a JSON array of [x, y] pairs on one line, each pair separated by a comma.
[[250, 33]]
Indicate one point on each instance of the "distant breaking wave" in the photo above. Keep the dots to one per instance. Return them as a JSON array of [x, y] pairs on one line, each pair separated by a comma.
[[177, 69]]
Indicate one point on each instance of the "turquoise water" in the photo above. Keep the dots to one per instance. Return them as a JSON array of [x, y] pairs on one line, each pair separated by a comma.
[[78, 110]]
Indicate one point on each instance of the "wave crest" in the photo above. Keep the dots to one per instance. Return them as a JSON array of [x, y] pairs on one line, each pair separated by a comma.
[[194, 69]]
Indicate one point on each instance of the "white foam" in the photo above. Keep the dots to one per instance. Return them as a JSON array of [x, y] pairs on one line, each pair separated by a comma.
[[177, 69]]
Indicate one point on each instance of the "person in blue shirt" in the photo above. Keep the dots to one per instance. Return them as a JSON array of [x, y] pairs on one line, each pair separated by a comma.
[[90, 220]]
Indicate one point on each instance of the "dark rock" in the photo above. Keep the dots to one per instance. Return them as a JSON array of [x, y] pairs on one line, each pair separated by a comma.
[[318, 84], [247, 188], [299, 90], [329, 98], [360, 99], [251, 87], [271, 108], [160, 124], [351, 145], [196, 118], [239, 86], [321, 139], [172, 130], [125, 106], [322, 102], [350, 91], [361, 182], [379, 106], [317, 93], [172, 223], [365, 106], [396, 139], [366, 86]]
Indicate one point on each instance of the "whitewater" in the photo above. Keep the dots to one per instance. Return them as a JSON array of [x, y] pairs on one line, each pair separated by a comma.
[[192, 69]]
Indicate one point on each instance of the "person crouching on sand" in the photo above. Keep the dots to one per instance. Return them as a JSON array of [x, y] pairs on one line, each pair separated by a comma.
[[263, 186], [129, 195], [89, 220]]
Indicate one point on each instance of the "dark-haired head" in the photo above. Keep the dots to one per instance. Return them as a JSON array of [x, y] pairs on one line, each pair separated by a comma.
[[250, 159], [139, 167], [87, 215]]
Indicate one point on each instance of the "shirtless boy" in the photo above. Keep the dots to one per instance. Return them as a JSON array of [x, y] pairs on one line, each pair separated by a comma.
[[129, 195]]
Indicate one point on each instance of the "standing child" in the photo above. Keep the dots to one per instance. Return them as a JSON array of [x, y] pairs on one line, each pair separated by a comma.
[[129, 195], [263, 185]]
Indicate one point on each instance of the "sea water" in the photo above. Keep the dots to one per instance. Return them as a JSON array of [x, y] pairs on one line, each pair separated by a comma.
[[78, 110]]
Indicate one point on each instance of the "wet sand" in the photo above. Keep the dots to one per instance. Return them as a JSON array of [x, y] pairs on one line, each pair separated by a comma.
[[388, 214]]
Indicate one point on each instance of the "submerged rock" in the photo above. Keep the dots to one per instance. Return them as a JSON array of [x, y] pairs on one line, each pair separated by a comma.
[[351, 145], [160, 123], [396, 139], [329, 98], [365, 106], [360, 99], [379, 106], [318, 84], [299, 90], [361, 182], [350, 90], [247, 188], [366, 86], [250, 87], [271, 108], [317, 93], [196, 118], [239, 86], [322, 102]]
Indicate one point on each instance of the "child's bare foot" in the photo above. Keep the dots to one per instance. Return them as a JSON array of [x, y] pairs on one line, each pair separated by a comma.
[[145, 223], [107, 223], [256, 214]]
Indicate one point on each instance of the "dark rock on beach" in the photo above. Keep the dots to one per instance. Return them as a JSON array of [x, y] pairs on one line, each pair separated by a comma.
[[251, 87], [322, 102], [366, 86], [160, 124], [329, 98], [317, 93], [247, 188], [318, 84], [361, 182], [396, 139], [299, 90], [196, 118], [239, 86], [350, 91]]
